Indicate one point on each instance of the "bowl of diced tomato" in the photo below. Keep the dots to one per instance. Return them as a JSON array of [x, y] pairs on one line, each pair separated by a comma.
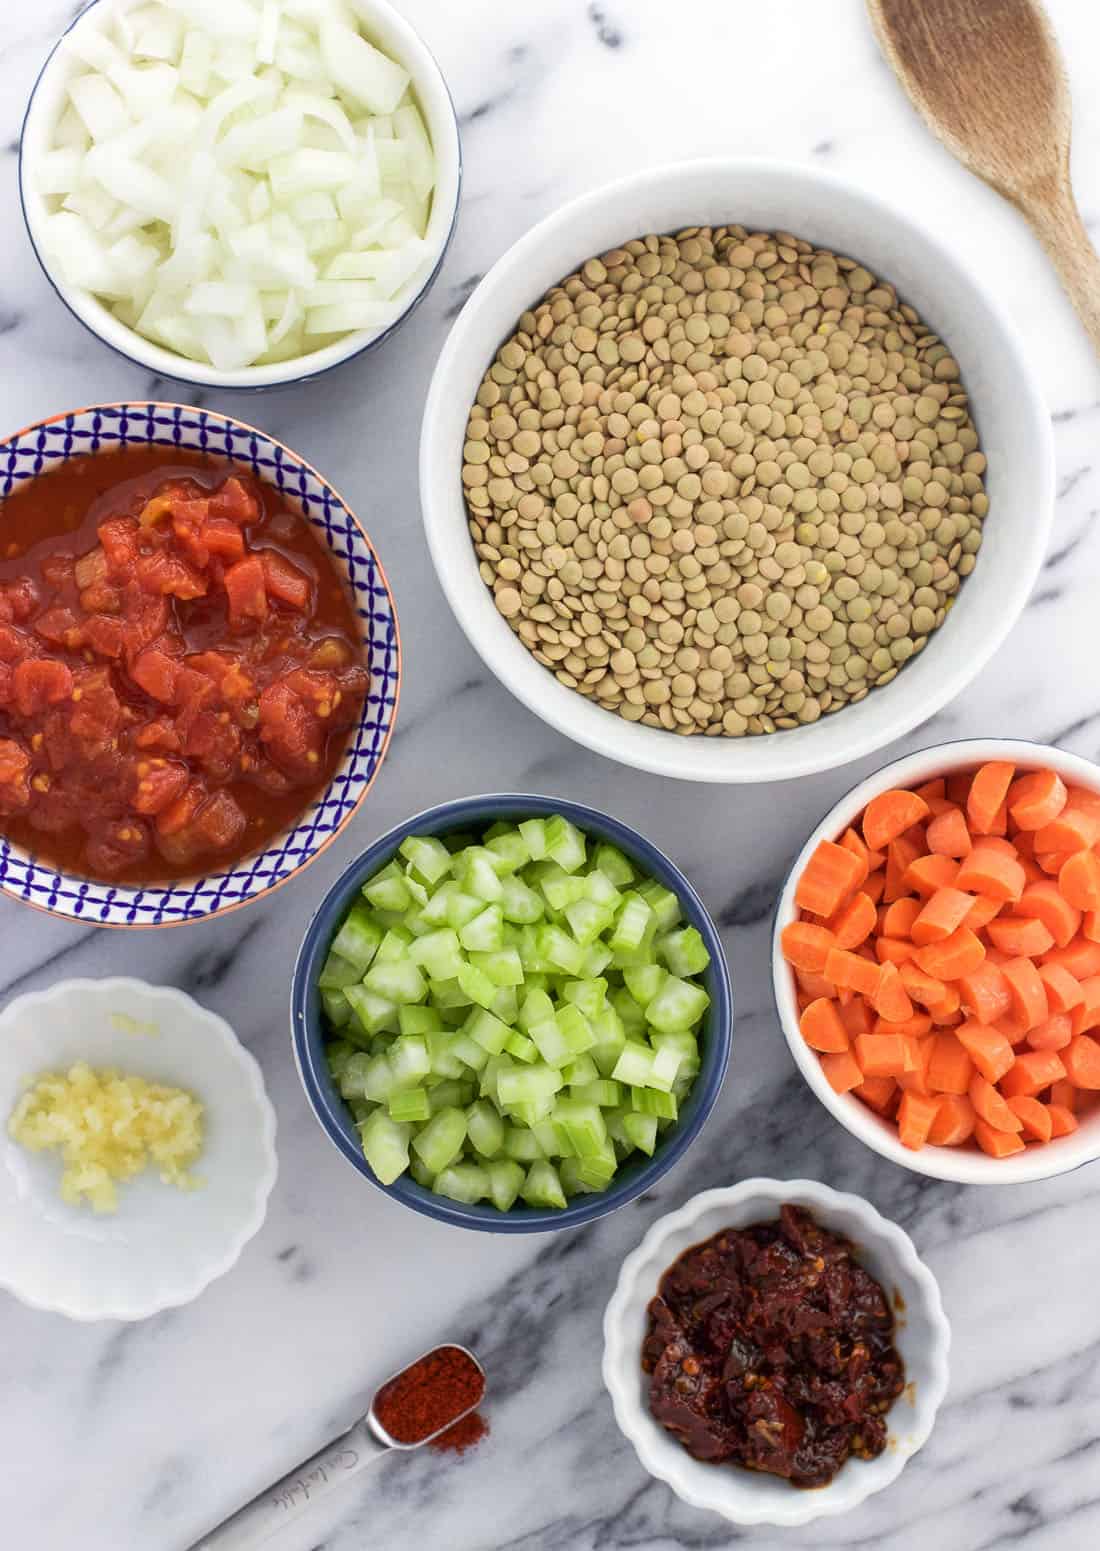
[[199, 664], [936, 961]]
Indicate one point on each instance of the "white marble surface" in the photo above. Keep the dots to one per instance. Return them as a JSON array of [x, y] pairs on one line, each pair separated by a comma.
[[138, 1438]]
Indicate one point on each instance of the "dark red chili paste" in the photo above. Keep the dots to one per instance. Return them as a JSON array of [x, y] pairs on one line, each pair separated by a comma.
[[772, 1348], [179, 665]]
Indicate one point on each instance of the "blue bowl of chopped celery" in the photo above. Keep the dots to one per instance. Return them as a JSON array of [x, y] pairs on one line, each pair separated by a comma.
[[512, 1013]]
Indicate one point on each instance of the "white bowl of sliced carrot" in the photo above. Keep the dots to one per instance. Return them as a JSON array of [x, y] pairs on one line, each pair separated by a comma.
[[936, 961]]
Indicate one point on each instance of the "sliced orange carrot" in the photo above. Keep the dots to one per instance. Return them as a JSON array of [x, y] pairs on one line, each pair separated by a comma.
[[1079, 880], [988, 870], [894, 950], [1034, 1117], [948, 835], [988, 791], [883, 1055], [1014, 1029], [954, 1122], [982, 911], [942, 912], [1000, 820], [1081, 1059], [1085, 798], [841, 1071], [889, 815], [915, 1117], [927, 874], [990, 1106], [900, 855], [998, 1143], [1035, 1070], [1086, 1015], [1091, 926], [922, 987], [1062, 1120], [852, 841], [1052, 862], [891, 1000], [937, 787], [1020, 935], [947, 1009], [1029, 994], [988, 1048], [1063, 990], [813, 984], [985, 993], [1036, 799], [806, 946], [1075, 829], [879, 1092], [1081, 957], [856, 1017], [1045, 902], [821, 1027], [852, 972], [957, 787], [949, 1066], [898, 918], [956, 956], [875, 886], [831, 874], [1054, 1033], [1064, 1093], [854, 922], [915, 1080], [915, 1027]]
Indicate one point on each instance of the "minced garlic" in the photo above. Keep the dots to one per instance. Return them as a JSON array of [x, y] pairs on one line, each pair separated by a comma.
[[109, 1126]]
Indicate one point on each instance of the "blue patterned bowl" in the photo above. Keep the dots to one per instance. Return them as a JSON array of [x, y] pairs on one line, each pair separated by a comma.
[[42, 447]]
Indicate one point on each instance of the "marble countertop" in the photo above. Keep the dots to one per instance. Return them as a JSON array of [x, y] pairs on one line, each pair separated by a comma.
[[138, 1438]]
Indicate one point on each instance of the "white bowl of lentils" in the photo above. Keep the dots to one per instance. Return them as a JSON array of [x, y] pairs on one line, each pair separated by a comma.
[[731, 472]]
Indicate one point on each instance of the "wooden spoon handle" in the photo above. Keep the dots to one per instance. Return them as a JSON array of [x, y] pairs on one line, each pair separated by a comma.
[[1057, 223]]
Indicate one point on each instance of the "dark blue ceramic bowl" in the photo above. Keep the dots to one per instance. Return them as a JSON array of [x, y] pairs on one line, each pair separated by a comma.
[[475, 814]]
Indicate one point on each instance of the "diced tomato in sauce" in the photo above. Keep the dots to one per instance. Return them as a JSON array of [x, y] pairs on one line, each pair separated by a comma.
[[179, 665]]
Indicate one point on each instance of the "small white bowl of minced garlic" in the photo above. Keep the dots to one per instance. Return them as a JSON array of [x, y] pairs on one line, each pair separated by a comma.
[[138, 1148]]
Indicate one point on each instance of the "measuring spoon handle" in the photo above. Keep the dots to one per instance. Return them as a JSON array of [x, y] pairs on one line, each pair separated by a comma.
[[258, 1520]]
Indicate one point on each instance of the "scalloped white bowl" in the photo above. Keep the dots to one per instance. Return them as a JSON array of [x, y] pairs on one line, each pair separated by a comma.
[[163, 1246], [923, 1338]]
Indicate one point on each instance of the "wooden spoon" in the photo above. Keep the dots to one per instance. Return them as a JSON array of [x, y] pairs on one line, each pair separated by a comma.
[[987, 78]]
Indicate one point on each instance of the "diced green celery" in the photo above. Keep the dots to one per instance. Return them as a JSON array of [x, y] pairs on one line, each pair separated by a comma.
[[583, 1124], [642, 1131], [534, 981], [601, 1091], [589, 995], [644, 982], [630, 1014], [398, 983], [597, 956], [435, 911], [387, 890], [684, 951], [687, 1047], [534, 1111], [445, 1062], [610, 1038], [503, 967], [451, 1093], [394, 947], [373, 1011], [553, 1139], [427, 856], [574, 1028], [565, 844], [409, 1060], [511, 847], [534, 835], [441, 1141], [542, 1187], [479, 874], [505, 1004], [530, 955], [437, 953], [505, 1182], [596, 1170], [587, 920], [409, 1104], [488, 1030], [468, 1051], [485, 1128], [666, 1064], [521, 1143], [519, 903], [355, 944], [581, 1070], [521, 1047], [378, 1079], [476, 985], [663, 903], [536, 1007], [417, 925], [487, 1088], [551, 1043], [385, 1146], [652, 1101], [560, 949], [485, 933], [499, 828], [462, 907], [677, 1005], [418, 891], [599, 888], [446, 994], [337, 1008], [353, 1075], [417, 1019], [569, 1172], [614, 865], [631, 925], [557, 887], [527, 1084], [362, 1109], [635, 1064], [340, 972], [464, 1182], [338, 1054]]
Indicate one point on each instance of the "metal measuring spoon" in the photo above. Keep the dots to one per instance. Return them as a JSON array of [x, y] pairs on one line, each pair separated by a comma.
[[346, 1456]]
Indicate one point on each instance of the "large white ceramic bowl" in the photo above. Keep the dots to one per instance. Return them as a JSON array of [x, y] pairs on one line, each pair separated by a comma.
[[1012, 420], [384, 24], [923, 1338], [163, 1246], [966, 1165]]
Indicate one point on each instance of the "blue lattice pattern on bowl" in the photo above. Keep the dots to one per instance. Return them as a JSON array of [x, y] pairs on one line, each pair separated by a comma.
[[41, 447]]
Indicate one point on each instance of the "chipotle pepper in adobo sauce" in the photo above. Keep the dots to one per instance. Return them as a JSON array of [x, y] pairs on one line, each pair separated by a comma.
[[772, 1348]]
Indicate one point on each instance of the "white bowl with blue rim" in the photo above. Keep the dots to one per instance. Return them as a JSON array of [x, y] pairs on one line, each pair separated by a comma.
[[386, 27], [50, 443]]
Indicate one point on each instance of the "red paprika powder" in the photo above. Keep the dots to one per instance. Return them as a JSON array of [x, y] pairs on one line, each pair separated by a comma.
[[431, 1395]]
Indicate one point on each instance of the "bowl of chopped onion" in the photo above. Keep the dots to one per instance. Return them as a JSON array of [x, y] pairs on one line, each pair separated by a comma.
[[241, 194]]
